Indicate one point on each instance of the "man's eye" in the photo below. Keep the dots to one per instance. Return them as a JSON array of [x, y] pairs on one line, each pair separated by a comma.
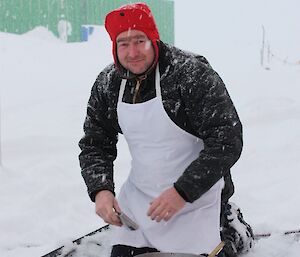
[[141, 40], [122, 44]]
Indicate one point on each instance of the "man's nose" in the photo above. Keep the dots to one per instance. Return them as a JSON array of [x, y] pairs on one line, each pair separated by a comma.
[[133, 50]]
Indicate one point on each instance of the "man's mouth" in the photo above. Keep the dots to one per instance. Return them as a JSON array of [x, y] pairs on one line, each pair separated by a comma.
[[135, 60]]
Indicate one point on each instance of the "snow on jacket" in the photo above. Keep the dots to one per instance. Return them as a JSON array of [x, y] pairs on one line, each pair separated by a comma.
[[195, 99]]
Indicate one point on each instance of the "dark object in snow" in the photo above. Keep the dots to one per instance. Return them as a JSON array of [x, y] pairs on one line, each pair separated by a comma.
[[59, 251], [158, 254], [214, 253], [296, 233]]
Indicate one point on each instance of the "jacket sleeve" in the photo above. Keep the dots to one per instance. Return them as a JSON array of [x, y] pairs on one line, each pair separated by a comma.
[[213, 116], [98, 145]]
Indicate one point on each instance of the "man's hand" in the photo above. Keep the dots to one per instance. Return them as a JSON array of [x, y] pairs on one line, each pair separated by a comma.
[[107, 207], [166, 205]]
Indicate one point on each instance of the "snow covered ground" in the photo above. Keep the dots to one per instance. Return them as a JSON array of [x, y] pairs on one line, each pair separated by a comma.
[[45, 85]]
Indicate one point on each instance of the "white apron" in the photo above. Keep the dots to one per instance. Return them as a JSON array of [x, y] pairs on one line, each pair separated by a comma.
[[160, 152]]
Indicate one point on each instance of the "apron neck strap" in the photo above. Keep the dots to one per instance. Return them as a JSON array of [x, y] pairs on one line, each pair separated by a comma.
[[122, 89], [157, 82]]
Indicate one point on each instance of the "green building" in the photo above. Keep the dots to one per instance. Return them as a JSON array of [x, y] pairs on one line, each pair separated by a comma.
[[68, 19]]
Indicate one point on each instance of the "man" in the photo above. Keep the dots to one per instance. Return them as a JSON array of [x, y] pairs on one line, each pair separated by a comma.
[[183, 133]]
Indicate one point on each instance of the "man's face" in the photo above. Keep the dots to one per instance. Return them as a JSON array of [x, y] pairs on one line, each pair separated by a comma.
[[135, 51]]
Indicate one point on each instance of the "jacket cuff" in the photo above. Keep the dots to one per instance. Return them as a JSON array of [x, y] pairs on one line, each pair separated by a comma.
[[181, 192], [94, 193]]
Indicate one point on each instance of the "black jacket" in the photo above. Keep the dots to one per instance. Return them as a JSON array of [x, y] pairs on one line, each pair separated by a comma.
[[194, 97]]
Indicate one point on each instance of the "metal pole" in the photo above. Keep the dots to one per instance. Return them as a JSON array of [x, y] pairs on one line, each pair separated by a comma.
[[262, 51]]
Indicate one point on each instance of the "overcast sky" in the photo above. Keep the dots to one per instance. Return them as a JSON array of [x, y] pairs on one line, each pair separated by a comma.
[[223, 22]]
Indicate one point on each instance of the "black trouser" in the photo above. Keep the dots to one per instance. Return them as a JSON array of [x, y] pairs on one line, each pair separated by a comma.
[[130, 251]]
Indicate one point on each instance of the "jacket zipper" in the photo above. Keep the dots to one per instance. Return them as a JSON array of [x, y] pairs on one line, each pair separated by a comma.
[[136, 91]]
